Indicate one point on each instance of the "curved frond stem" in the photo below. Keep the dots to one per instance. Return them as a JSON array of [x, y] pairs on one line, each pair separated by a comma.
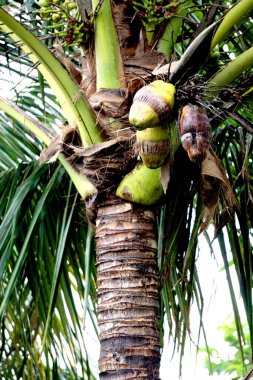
[[229, 73], [172, 30], [233, 16], [88, 253], [75, 107]]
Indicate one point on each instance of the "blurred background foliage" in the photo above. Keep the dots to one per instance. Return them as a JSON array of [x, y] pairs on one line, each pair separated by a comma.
[[229, 359]]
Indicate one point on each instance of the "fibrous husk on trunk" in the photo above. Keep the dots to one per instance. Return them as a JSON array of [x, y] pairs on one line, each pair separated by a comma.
[[69, 137], [104, 163], [128, 291]]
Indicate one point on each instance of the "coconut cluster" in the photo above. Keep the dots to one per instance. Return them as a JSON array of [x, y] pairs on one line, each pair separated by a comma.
[[63, 19], [150, 112]]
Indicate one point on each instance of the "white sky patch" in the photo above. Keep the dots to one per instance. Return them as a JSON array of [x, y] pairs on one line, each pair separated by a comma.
[[12, 82]]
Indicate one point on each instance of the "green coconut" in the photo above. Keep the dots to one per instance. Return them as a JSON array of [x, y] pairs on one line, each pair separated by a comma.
[[142, 185], [43, 3]]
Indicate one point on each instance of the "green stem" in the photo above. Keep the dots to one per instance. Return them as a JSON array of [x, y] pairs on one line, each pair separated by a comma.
[[85, 188], [83, 185], [149, 30], [74, 105], [172, 30], [110, 71], [230, 72], [233, 16], [88, 253]]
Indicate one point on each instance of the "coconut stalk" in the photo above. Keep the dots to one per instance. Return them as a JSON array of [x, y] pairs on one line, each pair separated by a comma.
[[233, 16], [227, 75], [109, 66], [126, 251]]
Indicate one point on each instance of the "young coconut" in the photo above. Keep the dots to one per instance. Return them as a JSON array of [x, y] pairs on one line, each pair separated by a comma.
[[153, 145], [195, 132], [142, 185], [152, 104]]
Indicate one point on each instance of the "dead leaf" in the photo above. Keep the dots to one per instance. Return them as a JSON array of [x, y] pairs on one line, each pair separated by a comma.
[[97, 148], [165, 175], [166, 171], [211, 166], [51, 153], [110, 101], [215, 185], [209, 193], [60, 143], [74, 72]]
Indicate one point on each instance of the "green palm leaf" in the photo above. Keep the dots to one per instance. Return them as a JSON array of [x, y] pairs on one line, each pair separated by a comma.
[[47, 264]]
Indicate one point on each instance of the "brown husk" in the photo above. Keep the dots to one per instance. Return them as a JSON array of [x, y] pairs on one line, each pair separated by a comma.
[[104, 164]]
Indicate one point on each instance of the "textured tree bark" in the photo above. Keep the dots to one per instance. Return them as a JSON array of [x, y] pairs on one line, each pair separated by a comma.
[[128, 292]]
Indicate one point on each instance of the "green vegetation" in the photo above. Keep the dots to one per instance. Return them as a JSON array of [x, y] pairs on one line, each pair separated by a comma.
[[67, 146], [230, 360]]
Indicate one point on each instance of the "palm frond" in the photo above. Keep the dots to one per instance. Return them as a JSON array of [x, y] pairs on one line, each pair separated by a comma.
[[45, 272], [35, 206]]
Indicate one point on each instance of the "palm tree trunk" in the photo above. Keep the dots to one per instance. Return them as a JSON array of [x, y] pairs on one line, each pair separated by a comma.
[[128, 291]]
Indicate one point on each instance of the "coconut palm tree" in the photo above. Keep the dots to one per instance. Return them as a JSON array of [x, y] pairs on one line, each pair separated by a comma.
[[99, 154]]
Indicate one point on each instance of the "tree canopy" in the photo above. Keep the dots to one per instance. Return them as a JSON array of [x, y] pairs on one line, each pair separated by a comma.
[[47, 256]]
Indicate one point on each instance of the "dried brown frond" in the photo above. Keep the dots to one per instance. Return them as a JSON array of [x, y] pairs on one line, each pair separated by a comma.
[[73, 70], [214, 185], [61, 143], [110, 102]]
